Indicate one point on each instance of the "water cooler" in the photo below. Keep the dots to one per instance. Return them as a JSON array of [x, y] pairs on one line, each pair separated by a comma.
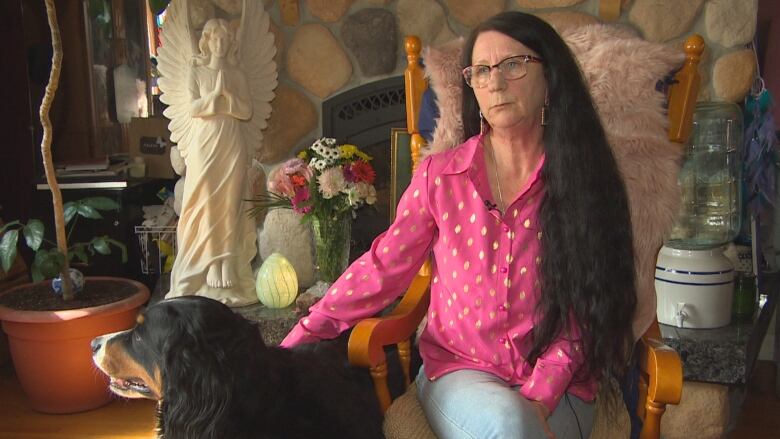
[[694, 281]]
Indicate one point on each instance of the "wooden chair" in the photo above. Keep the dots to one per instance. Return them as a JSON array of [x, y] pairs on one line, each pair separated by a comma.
[[661, 369]]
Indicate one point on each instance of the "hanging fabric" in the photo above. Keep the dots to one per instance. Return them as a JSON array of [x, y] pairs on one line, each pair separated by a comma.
[[760, 159]]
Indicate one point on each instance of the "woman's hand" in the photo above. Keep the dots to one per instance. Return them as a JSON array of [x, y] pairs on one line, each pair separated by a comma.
[[543, 413]]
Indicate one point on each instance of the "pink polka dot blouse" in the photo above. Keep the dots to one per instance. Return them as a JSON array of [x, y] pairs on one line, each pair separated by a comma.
[[485, 283]]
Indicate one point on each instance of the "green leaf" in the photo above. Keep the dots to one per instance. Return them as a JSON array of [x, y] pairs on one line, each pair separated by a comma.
[[48, 262], [70, 210], [8, 248], [37, 276], [33, 234], [88, 211], [79, 251], [266, 202], [9, 225], [100, 203], [118, 245], [100, 245]]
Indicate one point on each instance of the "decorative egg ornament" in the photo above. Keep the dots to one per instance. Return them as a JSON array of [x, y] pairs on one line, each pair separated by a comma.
[[276, 284], [76, 281]]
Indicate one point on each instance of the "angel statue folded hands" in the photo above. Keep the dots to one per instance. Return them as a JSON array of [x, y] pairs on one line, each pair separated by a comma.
[[218, 104]]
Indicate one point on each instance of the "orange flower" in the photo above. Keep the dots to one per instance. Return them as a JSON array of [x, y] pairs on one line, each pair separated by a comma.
[[298, 180]]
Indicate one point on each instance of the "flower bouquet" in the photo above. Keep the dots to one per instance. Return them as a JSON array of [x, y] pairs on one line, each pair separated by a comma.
[[326, 183]]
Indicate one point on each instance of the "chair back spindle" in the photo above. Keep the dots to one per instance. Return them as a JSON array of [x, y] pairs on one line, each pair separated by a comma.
[[414, 85]]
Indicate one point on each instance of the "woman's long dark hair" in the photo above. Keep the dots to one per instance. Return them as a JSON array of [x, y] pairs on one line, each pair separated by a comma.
[[587, 270]]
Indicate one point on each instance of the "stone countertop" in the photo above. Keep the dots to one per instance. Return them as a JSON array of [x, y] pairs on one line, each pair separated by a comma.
[[724, 355], [274, 323], [711, 355]]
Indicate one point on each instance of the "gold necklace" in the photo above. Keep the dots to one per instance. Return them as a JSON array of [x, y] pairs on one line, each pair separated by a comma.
[[498, 180]]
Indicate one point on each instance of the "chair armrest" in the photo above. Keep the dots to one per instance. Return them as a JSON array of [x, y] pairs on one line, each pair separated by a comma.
[[370, 336], [663, 368], [660, 380]]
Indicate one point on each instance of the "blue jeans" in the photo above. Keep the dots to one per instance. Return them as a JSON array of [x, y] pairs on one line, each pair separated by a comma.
[[475, 404]]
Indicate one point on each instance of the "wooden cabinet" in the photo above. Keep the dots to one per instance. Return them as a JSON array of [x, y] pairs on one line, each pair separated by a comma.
[[131, 196], [83, 114]]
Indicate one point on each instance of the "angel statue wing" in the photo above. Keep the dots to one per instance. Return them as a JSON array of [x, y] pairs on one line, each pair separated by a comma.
[[256, 51], [174, 59], [255, 55]]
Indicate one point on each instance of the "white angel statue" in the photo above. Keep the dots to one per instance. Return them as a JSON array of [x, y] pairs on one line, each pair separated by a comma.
[[218, 95]]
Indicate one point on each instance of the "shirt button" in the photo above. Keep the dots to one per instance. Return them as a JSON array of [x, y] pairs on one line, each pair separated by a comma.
[[502, 340], [504, 269], [502, 308], [506, 228]]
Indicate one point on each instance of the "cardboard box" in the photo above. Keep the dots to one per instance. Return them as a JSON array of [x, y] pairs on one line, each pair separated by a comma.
[[150, 139]]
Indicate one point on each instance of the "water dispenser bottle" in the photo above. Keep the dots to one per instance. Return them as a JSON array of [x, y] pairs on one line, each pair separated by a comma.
[[710, 179], [694, 280]]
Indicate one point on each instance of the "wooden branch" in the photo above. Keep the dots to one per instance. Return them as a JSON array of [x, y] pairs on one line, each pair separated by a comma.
[[48, 163]]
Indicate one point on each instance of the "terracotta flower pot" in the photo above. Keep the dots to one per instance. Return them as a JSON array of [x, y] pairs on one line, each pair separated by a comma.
[[51, 350]]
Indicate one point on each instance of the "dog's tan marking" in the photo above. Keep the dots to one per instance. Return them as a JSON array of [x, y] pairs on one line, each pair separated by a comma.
[[119, 365]]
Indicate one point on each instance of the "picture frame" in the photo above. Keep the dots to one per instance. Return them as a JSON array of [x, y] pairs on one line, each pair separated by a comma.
[[400, 166], [392, 161]]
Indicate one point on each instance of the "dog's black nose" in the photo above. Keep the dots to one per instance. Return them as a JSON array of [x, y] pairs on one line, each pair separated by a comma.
[[96, 344]]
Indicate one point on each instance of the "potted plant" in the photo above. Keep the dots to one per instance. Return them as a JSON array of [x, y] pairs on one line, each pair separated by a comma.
[[50, 339], [49, 261]]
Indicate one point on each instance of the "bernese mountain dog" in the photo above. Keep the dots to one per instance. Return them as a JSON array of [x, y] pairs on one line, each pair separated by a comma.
[[215, 378]]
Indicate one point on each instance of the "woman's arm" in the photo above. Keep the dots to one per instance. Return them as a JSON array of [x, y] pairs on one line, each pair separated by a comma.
[[378, 277], [555, 368]]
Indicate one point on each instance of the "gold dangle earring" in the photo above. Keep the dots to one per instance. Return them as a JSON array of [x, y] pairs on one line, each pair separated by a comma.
[[483, 125], [544, 109]]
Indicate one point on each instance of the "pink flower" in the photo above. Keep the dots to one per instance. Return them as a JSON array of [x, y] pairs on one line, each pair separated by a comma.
[[297, 166], [283, 179], [349, 176], [331, 182], [300, 197], [366, 192]]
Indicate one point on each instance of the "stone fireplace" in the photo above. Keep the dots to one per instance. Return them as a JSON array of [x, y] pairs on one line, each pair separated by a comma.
[[365, 116], [326, 48]]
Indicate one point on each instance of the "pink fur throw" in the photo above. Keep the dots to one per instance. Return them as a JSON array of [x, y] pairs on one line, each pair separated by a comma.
[[621, 70]]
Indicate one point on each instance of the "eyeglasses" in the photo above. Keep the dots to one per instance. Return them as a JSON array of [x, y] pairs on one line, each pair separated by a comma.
[[514, 67]]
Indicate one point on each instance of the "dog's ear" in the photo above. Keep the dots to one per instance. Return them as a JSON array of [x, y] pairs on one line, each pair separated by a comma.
[[207, 353], [197, 384]]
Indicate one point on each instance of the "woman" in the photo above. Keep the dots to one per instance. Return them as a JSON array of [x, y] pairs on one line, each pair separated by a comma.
[[217, 238], [528, 226]]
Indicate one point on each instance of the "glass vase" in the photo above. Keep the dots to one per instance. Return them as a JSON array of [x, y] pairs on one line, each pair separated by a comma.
[[331, 246]]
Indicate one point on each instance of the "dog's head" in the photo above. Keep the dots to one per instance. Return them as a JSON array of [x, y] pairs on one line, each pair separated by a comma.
[[181, 344]]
